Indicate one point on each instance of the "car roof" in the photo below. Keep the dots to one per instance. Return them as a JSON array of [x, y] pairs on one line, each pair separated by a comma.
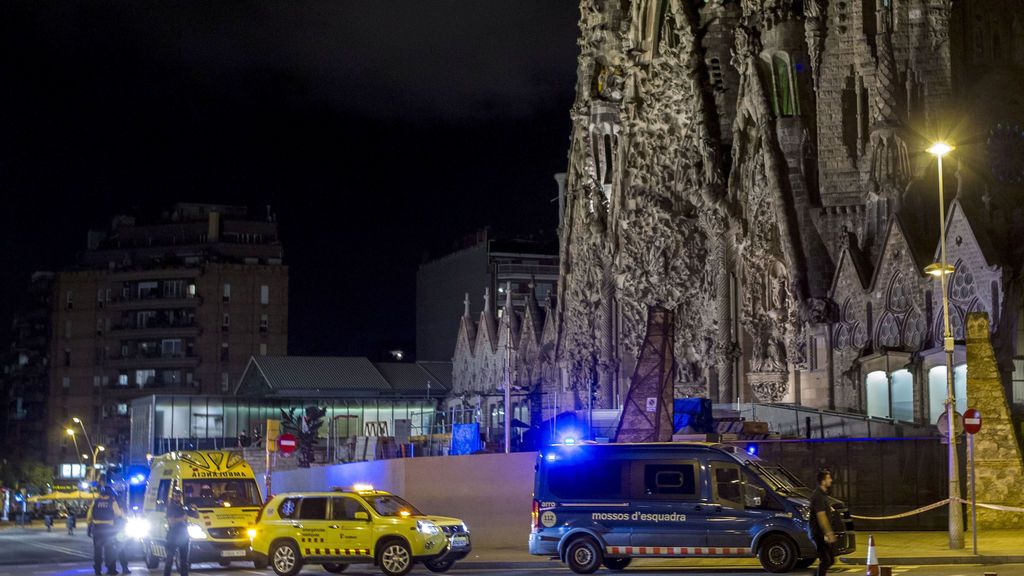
[[333, 493]]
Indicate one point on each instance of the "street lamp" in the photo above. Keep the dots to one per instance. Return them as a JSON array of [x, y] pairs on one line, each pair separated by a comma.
[[942, 269], [94, 454], [71, 433], [78, 421]]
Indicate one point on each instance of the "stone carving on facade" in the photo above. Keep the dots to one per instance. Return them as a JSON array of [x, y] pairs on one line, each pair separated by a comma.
[[938, 21]]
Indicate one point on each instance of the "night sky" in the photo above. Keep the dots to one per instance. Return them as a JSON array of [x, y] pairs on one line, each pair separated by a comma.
[[380, 131]]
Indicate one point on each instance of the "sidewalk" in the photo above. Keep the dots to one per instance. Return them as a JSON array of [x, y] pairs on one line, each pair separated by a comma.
[[923, 548], [893, 549]]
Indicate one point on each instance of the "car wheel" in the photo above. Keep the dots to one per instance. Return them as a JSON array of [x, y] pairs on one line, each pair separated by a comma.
[[394, 558], [804, 563], [152, 562], [285, 559], [583, 556], [335, 568], [617, 563], [439, 566], [777, 553]]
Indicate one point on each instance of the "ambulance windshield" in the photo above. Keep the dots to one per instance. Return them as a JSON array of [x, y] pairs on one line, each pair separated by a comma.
[[219, 493]]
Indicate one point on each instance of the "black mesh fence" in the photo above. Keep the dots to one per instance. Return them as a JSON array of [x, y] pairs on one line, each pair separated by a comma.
[[875, 477]]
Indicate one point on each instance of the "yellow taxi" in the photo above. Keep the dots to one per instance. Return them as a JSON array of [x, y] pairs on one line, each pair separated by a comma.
[[357, 525]]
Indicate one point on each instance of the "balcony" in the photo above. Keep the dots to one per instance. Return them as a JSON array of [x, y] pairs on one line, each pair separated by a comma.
[[156, 328], [154, 361], [154, 301]]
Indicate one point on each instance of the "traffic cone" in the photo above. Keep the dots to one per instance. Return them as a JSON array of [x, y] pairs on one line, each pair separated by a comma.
[[872, 558]]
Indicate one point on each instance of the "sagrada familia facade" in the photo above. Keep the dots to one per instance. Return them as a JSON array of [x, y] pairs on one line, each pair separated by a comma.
[[759, 167]]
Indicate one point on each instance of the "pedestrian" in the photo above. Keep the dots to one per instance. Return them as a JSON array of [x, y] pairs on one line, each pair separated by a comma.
[[71, 522], [177, 534], [102, 515], [122, 541], [48, 521], [821, 524]]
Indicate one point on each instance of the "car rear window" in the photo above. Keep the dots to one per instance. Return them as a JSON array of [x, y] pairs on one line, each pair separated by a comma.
[[587, 479]]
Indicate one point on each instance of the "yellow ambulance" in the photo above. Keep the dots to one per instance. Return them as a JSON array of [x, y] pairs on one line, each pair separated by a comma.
[[223, 499]]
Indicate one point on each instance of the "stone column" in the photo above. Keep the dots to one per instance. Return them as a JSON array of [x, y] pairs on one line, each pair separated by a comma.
[[999, 469]]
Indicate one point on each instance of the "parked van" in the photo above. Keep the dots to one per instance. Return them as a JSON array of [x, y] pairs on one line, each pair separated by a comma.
[[223, 499], [605, 504]]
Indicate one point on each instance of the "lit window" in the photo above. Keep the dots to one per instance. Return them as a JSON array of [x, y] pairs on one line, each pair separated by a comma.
[[263, 348], [937, 390], [66, 382], [227, 292], [877, 385], [264, 294], [225, 381]]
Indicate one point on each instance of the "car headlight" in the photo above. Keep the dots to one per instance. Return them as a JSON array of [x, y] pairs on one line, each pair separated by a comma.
[[196, 532], [465, 528], [137, 528], [427, 527]]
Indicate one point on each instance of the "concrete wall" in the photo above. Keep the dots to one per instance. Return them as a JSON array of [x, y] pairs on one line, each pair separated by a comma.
[[492, 493]]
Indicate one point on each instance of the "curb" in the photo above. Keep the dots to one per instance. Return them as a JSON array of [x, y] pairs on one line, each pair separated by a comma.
[[513, 564], [938, 561]]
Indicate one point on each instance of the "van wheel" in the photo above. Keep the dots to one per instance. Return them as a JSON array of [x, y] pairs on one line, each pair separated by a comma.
[[394, 558], [285, 559], [777, 553], [617, 563], [804, 563], [152, 562], [335, 568], [583, 556]]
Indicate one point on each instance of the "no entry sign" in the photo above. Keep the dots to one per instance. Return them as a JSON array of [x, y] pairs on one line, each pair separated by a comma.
[[972, 421], [287, 443]]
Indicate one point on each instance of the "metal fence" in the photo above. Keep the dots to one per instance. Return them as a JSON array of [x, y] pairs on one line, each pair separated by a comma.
[[875, 477]]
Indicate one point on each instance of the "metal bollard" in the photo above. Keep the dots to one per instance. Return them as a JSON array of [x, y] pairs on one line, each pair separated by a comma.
[[885, 571]]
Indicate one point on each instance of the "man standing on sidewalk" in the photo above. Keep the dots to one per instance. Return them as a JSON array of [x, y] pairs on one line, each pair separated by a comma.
[[821, 526]]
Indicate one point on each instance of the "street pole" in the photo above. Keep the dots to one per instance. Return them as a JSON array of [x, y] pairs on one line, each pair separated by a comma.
[[974, 502], [508, 387], [956, 523], [84, 431]]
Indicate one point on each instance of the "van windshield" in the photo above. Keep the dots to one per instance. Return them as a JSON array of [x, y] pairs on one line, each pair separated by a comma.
[[776, 477], [214, 492], [392, 505]]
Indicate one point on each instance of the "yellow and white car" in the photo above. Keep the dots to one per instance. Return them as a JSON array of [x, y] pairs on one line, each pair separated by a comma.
[[353, 526]]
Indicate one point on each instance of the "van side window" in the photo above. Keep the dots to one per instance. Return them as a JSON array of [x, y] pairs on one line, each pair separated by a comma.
[[161, 495], [676, 480], [588, 480], [313, 509], [728, 486]]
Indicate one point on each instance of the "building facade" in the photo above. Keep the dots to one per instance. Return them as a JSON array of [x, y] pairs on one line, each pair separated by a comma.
[[487, 263], [759, 167], [175, 306]]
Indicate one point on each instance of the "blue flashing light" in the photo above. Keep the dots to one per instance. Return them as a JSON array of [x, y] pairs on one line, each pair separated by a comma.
[[752, 449], [551, 457], [17, 497], [83, 485], [137, 479], [569, 441]]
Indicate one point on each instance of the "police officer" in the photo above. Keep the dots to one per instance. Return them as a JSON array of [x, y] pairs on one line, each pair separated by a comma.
[[102, 515], [177, 534]]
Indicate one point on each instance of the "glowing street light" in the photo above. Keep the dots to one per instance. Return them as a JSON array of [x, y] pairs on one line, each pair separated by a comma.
[[956, 528]]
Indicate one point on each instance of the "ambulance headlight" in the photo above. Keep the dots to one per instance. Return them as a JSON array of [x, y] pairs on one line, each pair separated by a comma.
[[427, 527], [465, 528], [136, 528], [195, 532]]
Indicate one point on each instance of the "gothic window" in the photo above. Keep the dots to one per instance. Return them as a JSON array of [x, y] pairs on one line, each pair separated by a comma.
[[608, 158], [899, 298], [784, 88], [889, 332], [962, 287], [843, 339], [914, 330], [860, 335], [848, 99], [956, 324]]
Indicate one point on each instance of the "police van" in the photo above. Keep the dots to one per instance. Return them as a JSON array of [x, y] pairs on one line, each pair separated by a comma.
[[605, 504], [222, 497]]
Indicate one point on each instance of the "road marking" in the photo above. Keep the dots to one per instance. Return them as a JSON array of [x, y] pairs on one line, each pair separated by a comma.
[[53, 548]]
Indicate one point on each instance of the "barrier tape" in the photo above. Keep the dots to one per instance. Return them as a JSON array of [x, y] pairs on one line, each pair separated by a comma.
[[938, 505]]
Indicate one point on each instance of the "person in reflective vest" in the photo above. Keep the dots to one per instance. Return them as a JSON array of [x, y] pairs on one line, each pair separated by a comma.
[[103, 514]]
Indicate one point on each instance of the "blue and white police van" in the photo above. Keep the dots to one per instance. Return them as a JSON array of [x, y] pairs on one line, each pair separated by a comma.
[[605, 504]]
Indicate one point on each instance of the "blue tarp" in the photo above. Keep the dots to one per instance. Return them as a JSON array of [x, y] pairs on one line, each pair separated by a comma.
[[692, 416], [465, 439]]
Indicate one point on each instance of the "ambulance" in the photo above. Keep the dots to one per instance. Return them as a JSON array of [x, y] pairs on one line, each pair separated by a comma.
[[223, 499]]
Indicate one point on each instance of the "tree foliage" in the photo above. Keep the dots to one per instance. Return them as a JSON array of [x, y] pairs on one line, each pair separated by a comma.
[[306, 427]]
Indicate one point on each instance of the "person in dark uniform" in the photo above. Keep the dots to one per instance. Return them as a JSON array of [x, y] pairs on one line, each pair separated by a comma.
[[122, 539], [177, 534], [821, 526], [102, 515]]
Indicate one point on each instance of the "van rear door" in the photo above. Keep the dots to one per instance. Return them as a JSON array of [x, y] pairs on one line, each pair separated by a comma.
[[670, 506]]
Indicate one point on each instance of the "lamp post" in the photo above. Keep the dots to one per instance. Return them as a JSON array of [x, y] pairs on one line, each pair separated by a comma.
[[71, 433], [81, 424], [956, 524], [95, 453]]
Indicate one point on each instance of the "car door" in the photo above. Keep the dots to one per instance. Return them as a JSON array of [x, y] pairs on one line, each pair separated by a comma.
[[352, 526], [312, 524], [741, 505], [669, 507]]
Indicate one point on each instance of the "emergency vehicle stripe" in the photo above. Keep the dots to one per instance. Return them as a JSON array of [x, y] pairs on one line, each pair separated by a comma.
[[675, 551]]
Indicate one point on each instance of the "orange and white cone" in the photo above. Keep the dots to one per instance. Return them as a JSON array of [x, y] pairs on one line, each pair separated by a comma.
[[872, 558]]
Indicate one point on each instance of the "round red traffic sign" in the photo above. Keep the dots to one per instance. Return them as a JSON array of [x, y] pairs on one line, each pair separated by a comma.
[[972, 421], [287, 443]]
